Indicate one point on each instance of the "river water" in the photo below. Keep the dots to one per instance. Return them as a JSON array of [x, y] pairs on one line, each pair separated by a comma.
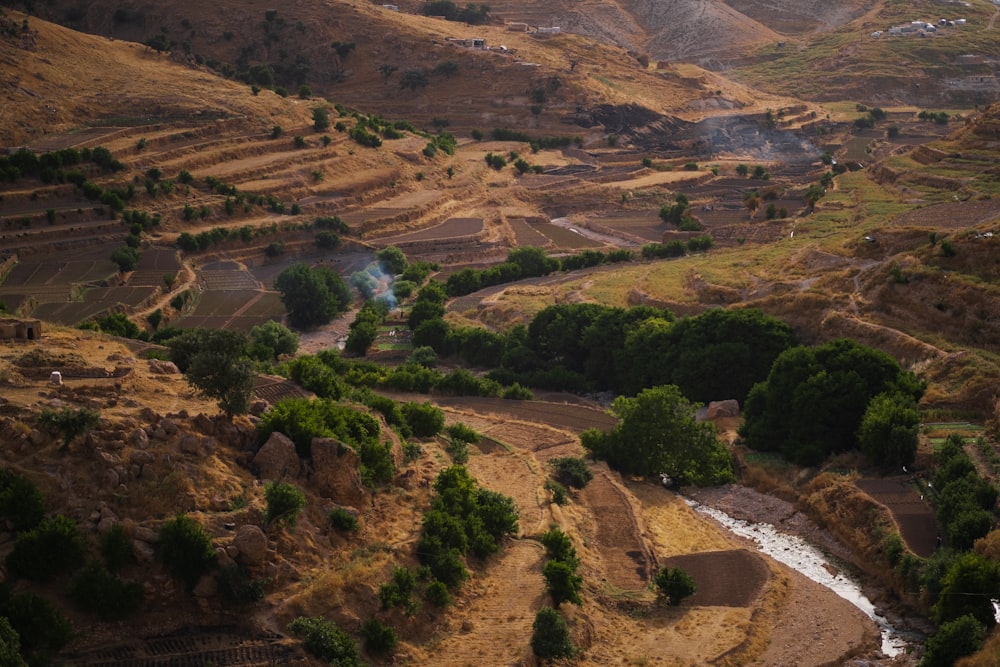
[[806, 559]]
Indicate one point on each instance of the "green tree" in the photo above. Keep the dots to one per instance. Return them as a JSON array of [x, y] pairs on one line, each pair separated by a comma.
[[562, 582], [955, 639], [312, 295], [413, 79], [673, 585], [10, 645], [55, 545], [559, 547], [658, 433], [550, 635], [68, 422], [968, 588], [392, 260], [270, 340], [215, 363], [813, 400], [185, 548], [284, 503], [126, 257], [888, 431], [571, 471]]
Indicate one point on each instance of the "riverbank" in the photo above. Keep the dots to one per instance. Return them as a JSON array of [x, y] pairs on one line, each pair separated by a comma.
[[802, 613]]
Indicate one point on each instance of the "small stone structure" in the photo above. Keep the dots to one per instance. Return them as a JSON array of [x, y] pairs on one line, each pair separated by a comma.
[[15, 329]]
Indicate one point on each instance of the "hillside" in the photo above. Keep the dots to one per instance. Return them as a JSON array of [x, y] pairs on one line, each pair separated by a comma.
[[221, 187]]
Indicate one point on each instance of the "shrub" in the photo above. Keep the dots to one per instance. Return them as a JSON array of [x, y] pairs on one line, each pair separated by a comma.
[[953, 640], [562, 582], [239, 587], [284, 502], [397, 591], [673, 585], [558, 491], [54, 546], [571, 471], [459, 451], [437, 594], [326, 641], [38, 623], [550, 635], [424, 419], [97, 590], [116, 547], [68, 422], [379, 637], [186, 549], [21, 502], [343, 520], [559, 547]]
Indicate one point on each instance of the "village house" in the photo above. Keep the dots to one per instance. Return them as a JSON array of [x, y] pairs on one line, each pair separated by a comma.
[[16, 329]]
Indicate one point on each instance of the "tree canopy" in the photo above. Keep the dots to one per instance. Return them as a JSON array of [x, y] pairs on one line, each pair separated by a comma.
[[813, 400], [312, 295], [657, 433], [216, 363]]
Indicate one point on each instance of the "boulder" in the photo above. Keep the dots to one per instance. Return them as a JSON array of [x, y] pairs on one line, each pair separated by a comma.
[[727, 408], [336, 472], [251, 542], [139, 438], [277, 458]]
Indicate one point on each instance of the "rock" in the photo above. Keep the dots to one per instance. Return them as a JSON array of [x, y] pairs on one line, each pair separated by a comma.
[[139, 438], [467, 626], [163, 367], [223, 558], [143, 551], [106, 524], [219, 504], [727, 408], [144, 534], [111, 479], [169, 426], [335, 472], [206, 587], [37, 437], [259, 407], [190, 444], [277, 458], [252, 544], [140, 457], [204, 423]]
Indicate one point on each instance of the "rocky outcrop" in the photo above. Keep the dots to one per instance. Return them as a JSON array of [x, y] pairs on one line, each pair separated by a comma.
[[277, 458], [336, 472]]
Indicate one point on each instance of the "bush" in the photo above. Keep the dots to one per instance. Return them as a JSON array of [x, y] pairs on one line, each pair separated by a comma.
[[673, 585], [559, 547], [239, 587], [186, 549], [284, 502], [571, 471], [953, 640], [68, 422], [424, 419], [37, 622], [558, 491], [397, 591], [326, 641], [550, 635], [21, 502], [379, 637], [116, 547], [437, 594], [343, 520], [54, 546], [97, 590], [562, 582]]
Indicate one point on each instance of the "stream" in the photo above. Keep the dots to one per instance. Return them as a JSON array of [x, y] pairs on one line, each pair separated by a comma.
[[809, 561]]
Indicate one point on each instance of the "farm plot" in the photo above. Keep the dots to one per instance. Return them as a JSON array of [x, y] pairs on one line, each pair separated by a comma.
[[733, 578], [952, 215], [574, 418], [645, 225], [234, 309], [96, 301], [565, 238], [525, 234], [914, 516], [154, 263], [452, 228], [228, 276]]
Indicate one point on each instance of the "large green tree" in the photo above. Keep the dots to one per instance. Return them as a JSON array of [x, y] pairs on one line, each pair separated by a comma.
[[658, 433], [888, 431], [312, 295], [215, 362], [270, 340], [813, 400]]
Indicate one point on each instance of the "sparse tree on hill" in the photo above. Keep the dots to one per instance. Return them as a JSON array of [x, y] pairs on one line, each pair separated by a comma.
[[413, 79], [215, 362], [673, 585], [312, 295], [387, 70]]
